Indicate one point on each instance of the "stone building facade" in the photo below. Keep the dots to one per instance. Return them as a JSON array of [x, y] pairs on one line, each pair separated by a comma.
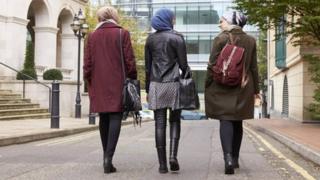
[[47, 24]]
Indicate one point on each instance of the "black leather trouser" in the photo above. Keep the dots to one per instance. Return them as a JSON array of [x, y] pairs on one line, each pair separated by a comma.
[[231, 136], [109, 126], [160, 117]]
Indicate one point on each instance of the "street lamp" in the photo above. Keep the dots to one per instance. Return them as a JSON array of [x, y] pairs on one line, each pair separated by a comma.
[[80, 29]]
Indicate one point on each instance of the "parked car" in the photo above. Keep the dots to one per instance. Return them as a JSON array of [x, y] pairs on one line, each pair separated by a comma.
[[193, 115]]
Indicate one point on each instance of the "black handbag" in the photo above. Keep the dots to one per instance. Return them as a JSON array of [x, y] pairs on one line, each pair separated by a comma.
[[188, 97], [131, 90]]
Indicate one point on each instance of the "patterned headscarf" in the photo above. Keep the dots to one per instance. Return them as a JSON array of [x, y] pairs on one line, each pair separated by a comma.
[[235, 18], [162, 20]]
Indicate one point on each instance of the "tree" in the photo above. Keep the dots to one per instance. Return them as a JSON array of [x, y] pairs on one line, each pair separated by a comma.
[[262, 60], [302, 17]]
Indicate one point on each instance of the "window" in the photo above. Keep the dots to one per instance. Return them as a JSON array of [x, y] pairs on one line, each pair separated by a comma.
[[281, 44], [192, 46], [204, 46]]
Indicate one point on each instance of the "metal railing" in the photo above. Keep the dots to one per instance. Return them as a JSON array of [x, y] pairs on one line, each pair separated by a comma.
[[35, 80]]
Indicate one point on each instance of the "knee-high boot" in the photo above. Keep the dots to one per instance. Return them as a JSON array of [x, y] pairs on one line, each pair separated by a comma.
[[226, 136], [175, 128], [160, 118]]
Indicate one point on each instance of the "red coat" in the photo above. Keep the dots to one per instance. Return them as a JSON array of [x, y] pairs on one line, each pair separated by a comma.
[[102, 67]]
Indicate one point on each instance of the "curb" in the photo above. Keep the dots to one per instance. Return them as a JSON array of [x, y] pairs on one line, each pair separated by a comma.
[[52, 134], [301, 149]]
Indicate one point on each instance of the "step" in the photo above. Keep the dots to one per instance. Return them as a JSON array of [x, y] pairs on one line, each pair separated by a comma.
[[18, 106], [13, 112], [5, 91], [12, 101], [26, 116], [10, 96]]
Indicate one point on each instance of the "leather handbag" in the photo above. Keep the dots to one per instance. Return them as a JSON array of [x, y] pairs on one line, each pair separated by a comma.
[[131, 91], [188, 94]]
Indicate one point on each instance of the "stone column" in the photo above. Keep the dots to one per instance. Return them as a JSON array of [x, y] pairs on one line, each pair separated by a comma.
[[13, 35], [69, 54], [45, 50]]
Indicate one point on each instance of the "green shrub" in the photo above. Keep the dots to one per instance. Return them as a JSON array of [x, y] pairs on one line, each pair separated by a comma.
[[29, 72], [52, 74], [314, 69], [28, 66]]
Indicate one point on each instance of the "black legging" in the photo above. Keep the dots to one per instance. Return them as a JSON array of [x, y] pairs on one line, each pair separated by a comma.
[[231, 136], [161, 123], [109, 126]]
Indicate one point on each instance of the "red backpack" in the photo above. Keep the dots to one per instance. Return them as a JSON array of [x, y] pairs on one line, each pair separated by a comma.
[[229, 69]]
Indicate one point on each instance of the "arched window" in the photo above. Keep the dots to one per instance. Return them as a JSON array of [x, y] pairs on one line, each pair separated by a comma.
[[285, 98]]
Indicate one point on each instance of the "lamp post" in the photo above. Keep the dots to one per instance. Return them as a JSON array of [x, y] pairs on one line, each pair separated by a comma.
[[80, 29]]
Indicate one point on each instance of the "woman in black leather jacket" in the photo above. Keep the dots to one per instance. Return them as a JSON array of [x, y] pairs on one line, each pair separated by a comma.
[[165, 55]]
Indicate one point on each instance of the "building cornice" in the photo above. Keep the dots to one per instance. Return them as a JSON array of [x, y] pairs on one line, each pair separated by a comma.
[[46, 29], [15, 20]]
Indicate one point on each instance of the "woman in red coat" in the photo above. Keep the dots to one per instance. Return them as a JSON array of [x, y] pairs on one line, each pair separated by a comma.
[[103, 72]]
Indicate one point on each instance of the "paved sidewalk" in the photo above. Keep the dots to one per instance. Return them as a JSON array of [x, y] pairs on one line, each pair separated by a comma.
[[302, 138], [22, 131]]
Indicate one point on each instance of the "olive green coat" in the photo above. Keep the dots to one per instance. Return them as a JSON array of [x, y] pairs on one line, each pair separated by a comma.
[[232, 103]]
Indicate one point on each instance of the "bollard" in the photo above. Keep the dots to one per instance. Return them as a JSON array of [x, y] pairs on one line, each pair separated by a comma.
[[264, 106], [55, 111], [92, 118]]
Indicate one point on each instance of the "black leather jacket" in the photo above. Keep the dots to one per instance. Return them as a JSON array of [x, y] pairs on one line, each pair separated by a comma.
[[165, 54]]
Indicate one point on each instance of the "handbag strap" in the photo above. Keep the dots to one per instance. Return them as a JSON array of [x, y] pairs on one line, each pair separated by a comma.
[[121, 55]]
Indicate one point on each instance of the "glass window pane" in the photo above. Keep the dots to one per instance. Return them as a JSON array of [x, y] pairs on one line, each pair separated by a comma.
[[192, 45], [192, 16]]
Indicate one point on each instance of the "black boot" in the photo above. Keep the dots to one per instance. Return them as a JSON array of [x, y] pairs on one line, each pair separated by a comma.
[[236, 162], [162, 160], [160, 117], [108, 166], [174, 165], [175, 128], [229, 169]]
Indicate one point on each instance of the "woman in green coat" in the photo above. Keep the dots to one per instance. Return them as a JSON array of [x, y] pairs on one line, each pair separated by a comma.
[[232, 105]]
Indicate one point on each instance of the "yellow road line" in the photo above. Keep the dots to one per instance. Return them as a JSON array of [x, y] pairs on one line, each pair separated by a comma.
[[295, 166]]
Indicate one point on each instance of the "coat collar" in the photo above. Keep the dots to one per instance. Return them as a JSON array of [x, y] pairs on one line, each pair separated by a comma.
[[237, 31], [109, 25]]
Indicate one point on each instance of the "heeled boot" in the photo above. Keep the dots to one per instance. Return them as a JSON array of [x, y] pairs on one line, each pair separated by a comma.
[[163, 168], [236, 162], [174, 165], [175, 128], [160, 128], [108, 166], [229, 168]]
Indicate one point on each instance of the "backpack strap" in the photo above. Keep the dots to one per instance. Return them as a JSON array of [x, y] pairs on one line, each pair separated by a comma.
[[244, 79], [232, 40]]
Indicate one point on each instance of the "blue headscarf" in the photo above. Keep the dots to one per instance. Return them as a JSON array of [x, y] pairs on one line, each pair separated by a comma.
[[162, 20]]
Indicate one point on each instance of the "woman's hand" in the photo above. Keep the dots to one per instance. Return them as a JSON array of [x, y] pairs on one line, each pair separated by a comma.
[[257, 96]]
